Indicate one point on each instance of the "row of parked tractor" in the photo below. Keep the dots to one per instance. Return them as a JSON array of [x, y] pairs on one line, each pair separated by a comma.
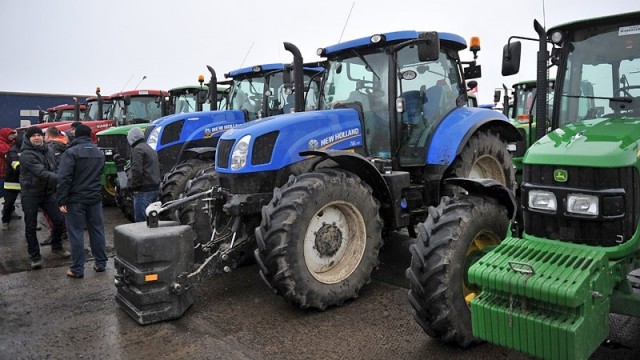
[[525, 221]]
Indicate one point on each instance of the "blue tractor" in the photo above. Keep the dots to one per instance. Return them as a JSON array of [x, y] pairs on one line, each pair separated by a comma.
[[186, 142], [310, 194], [315, 191]]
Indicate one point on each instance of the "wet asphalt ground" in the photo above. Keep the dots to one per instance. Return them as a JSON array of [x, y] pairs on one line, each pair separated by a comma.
[[46, 315]]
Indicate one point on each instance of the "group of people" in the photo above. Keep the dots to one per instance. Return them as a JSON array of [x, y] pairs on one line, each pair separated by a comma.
[[59, 174]]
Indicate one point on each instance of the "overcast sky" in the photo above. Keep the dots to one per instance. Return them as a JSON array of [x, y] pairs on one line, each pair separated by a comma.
[[72, 46]]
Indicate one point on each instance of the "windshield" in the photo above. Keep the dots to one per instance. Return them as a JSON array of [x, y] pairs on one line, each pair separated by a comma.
[[67, 115], [92, 110], [249, 93], [142, 109], [524, 101], [429, 91], [602, 76], [361, 78], [185, 103]]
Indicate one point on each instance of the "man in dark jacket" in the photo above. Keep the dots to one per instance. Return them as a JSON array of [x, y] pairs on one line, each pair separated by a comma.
[[145, 174], [79, 196], [38, 184]]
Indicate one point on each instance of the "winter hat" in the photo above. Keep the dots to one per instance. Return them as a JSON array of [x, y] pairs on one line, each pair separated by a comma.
[[134, 135], [32, 131], [83, 130]]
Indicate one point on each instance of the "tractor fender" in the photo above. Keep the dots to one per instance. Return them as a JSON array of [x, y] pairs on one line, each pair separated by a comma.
[[358, 165], [455, 130], [488, 187]]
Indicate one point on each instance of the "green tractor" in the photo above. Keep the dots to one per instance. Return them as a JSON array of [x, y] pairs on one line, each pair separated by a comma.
[[547, 284]]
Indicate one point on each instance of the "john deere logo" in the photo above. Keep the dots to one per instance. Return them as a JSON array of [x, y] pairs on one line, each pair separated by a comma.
[[560, 175]]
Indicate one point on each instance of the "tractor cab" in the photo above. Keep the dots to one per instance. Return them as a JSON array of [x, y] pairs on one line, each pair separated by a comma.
[[65, 112], [137, 106], [98, 107], [262, 90], [192, 98]]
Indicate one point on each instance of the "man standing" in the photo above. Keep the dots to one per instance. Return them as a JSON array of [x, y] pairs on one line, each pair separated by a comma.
[[79, 196], [145, 174], [56, 141], [38, 184]]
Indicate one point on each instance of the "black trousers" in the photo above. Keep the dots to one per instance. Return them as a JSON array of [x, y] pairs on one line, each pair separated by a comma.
[[30, 206]]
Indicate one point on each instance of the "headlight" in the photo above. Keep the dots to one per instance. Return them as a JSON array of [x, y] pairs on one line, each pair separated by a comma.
[[240, 152], [152, 140], [582, 204], [542, 200]]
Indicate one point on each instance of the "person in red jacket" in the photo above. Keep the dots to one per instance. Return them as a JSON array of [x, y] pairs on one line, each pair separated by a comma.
[[7, 137], [9, 186]]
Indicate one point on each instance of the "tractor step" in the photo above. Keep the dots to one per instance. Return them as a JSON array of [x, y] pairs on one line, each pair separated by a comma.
[[545, 298], [149, 263]]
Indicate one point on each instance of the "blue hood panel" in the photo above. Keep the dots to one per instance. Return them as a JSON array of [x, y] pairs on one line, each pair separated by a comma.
[[337, 129]]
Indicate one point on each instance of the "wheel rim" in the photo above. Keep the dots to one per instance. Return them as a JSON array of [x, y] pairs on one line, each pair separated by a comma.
[[109, 187], [487, 167], [334, 242], [481, 243]]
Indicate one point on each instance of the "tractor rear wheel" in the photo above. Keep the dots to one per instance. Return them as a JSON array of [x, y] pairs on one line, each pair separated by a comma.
[[174, 182], [319, 238], [455, 235], [485, 156]]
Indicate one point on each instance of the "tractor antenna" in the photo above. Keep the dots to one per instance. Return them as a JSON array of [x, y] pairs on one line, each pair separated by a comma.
[[140, 82], [127, 83], [346, 22], [247, 54], [544, 16]]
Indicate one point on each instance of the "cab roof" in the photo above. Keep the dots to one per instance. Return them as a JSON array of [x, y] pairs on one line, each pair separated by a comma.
[[456, 41]]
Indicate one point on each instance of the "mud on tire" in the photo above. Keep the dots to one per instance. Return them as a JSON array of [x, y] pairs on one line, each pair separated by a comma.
[[455, 235], [485, 155], [174, 182], [319, 238], [197, 213]]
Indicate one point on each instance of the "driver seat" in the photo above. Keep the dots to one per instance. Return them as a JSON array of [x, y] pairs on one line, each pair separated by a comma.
[[357, 96]]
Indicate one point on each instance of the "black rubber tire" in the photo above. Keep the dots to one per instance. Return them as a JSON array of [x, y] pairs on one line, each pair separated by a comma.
[[174, 182], [485, 155], [440, 258], [197, 213], [290, 215]]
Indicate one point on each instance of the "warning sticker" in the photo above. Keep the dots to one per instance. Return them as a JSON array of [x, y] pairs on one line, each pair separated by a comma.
[[629, 30]]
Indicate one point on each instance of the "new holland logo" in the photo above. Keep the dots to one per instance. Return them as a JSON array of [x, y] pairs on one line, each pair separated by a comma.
[[560, 175]]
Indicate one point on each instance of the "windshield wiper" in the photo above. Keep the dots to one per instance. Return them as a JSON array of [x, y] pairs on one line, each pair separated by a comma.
[[366, 63], [624, 99]]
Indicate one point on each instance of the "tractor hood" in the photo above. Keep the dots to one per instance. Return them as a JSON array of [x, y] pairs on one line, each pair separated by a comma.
[[122, 130], [277, 141], [603, 142], [181, 128]]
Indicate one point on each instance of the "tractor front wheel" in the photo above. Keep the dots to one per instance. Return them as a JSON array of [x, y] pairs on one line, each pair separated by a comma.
[[455, 235], [174, 182], [319, 238], [485, 156]]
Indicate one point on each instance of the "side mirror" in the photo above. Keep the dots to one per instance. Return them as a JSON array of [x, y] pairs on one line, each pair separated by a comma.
[[429, 47], [202, 96], [511, 58], [496, 96]]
